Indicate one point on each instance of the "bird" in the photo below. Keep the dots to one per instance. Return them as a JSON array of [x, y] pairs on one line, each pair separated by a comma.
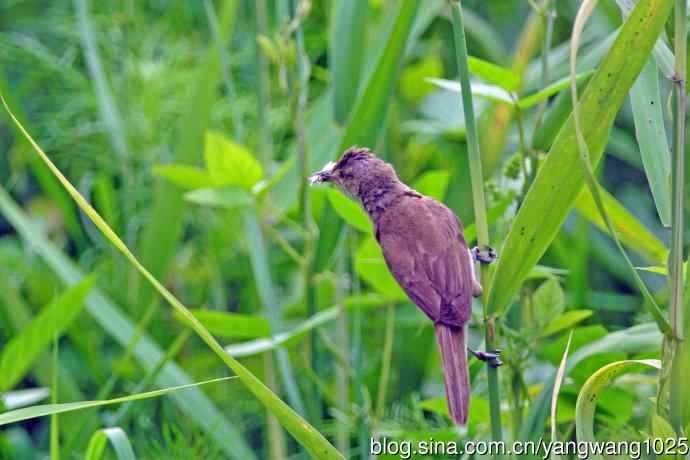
[[424, 248]]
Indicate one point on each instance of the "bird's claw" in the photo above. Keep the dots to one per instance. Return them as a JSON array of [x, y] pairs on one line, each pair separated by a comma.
[[485, 255], [491, 358]]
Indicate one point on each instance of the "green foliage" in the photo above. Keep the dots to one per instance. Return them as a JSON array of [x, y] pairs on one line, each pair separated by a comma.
[[20, 353], [191, 128]]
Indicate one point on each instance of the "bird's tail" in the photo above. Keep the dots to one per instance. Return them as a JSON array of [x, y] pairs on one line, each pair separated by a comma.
[[453, 344]]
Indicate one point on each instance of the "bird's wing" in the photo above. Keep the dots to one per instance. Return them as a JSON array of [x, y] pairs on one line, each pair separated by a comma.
[[425, 251]]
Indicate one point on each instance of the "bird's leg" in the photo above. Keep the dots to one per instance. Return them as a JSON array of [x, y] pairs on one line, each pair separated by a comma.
[[485, 255], [492, 358]]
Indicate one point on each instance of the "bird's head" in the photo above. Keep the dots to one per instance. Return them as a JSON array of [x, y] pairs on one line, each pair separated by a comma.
[[357, 171]]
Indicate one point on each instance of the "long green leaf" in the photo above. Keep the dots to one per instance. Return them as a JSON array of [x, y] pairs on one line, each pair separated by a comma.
[[347, 50], [118, 439], [253, 347], [369, 112], [630, 230], [20, 353], [591, 390], [313, 441], [561, 177], [645, 98], [27, 413]]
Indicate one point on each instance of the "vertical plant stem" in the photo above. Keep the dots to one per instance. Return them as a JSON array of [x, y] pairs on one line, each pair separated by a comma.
[[479, 202], [301, 96], [342, 385], [54, 421], [678, 182], [263, 87]]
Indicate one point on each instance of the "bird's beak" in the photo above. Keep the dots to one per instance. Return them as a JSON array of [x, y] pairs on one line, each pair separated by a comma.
[[324, 175]]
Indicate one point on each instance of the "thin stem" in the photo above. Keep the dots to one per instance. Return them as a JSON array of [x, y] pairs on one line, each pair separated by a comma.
[[263, 87], [301, 95], [479, 202], [343, 371], [385, 362], [676, 308]]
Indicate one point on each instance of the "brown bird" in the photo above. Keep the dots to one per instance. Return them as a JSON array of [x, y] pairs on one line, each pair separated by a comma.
[[423, 245]]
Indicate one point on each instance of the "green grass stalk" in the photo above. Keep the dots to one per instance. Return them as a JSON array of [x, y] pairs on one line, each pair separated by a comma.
[[480, 218], [677, 383]]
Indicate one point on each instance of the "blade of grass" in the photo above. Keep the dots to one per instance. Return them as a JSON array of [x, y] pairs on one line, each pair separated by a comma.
[[195, 404], [558, 381], [631, 231], [479, 202], [27, 413], [19, 354], [651, 137], [313, 441], [544, 210], [347, 50], [54, 420], [118, 440]]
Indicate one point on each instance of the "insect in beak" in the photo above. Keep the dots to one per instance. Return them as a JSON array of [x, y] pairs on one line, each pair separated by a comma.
[[324, 175]]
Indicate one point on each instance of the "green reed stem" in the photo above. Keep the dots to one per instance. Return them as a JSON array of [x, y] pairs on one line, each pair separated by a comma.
[[480, 218], [678, 385]]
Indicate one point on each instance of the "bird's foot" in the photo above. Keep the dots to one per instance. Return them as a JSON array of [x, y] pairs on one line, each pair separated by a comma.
[[485, 255], [491, 358]]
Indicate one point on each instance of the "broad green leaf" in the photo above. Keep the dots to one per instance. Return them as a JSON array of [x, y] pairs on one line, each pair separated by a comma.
[[312, 440], [568, 319], [230, 164], [118, 440], [587, 399], [240, 350], [233, 325], [349, 210], [548, 301], [347, 50], [27, 413], [630, 230], [561, 176], [22, 350], [371, 266], [645, 98], [494, 74], [224, 197], [184, 176], [433, 184]]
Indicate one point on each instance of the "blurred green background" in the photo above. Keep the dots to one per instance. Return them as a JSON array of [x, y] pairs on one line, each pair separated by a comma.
[[190, 126]]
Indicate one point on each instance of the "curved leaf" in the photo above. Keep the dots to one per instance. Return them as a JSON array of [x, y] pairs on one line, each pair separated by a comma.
[[118, 439], [591, 390]]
